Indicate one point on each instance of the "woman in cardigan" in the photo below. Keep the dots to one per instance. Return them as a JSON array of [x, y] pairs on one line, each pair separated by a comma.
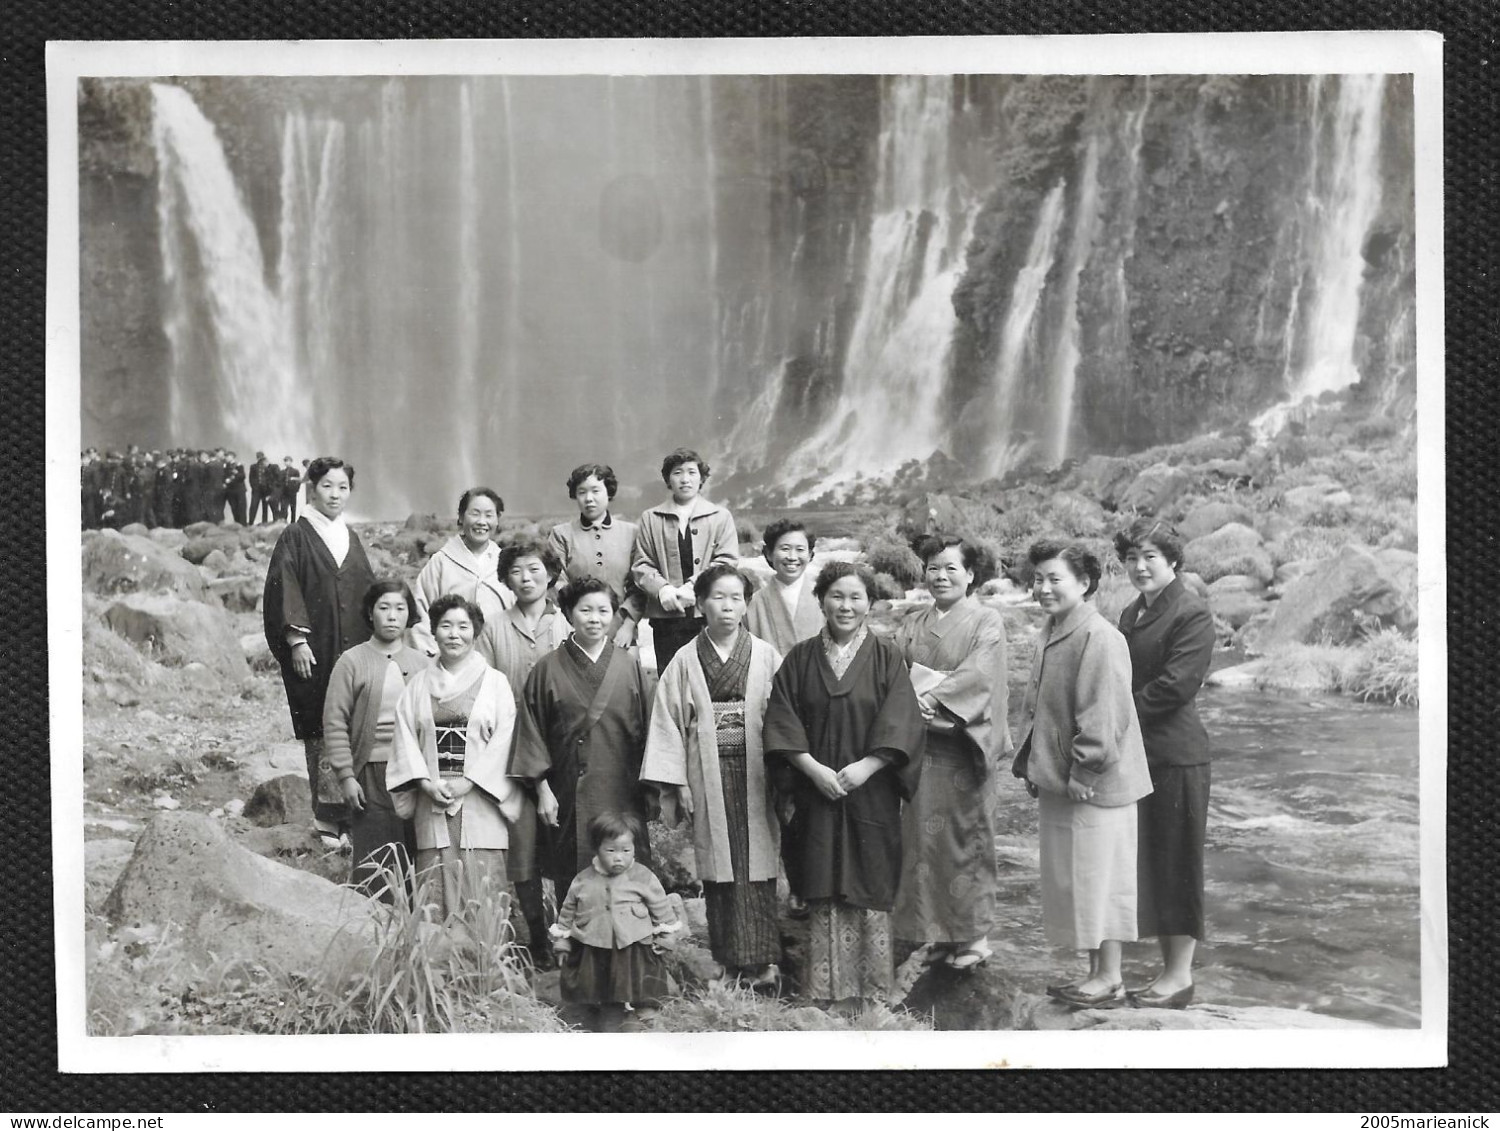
[[950, 876], [673, 544], [464, 564], [454, 724], [315, 582], [705, 755], [1082, 756], [843, 713], [359, 725], [599, 544], [1171, 636], [512, 642]]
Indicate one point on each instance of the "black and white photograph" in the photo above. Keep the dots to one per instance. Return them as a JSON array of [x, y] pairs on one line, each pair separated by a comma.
[[932, 549]]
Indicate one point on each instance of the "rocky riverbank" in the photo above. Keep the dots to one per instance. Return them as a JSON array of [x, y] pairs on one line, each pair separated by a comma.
[[212, 908]]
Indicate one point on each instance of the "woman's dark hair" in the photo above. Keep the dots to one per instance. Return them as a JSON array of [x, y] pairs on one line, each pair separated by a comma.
[[380, 589], [968, 553], [468, 496], [447, 603], [704, 582], [575, 591], [600, 471], [514, 552], [1159, 532], [780, 529], [833, 571], [324, 464], [608, 825], [1079, 558], [678, 458]]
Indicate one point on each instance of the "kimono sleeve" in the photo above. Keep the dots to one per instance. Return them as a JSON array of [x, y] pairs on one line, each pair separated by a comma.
[[1103, 701], [338, 717], [782, 730], [969, 690], [486, 766], [665, 760], [899, 731], [408, 762], [531, 758], [283, 603]]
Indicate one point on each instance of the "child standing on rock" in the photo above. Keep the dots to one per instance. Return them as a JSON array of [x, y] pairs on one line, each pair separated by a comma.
[[609, 933]]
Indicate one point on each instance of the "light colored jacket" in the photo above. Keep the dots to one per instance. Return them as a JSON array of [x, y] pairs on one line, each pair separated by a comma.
[[656, 559], [613, 912], [1080, 716], [352, 707], [767, 618], [453, 569], [681, 749], [496, 799]]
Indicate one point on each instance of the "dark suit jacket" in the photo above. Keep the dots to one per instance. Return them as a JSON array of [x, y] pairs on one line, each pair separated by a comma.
[[1171, 646]]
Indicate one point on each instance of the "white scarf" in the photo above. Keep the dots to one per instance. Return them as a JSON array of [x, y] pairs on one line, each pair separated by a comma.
[[333, 531], [445, 684]]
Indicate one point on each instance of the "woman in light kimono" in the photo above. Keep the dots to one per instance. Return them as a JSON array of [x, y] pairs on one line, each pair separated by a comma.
[[949, 873], [454, 725], [704, 753], [512, 642], [464, 564], [785, 611]]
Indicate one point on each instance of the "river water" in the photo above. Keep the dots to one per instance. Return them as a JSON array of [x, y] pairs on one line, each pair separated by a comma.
[[1312, 863]]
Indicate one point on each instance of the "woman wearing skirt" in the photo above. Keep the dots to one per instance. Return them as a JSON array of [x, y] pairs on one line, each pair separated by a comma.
[[1083, 758]]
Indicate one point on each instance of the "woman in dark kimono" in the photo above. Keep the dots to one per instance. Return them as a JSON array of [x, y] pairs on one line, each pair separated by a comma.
[[843, 712], [581, 734], [313, 612]]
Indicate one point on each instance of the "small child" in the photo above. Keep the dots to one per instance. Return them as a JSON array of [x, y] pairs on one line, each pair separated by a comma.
[[609, 933]]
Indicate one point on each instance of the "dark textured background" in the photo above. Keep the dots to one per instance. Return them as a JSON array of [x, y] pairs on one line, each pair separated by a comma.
[[27, 1003]]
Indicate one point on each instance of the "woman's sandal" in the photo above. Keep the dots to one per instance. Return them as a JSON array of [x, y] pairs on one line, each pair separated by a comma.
[[939, 953], [980, 958], [768, 980], [1109, 998], [1145, 999]]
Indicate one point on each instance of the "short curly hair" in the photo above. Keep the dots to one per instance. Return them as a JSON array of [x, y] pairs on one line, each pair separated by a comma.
[[1079, 558], [446, 604], [575, 591], [600, 471], [680, 456], [1156, 531], [835, 571], [380, 589]]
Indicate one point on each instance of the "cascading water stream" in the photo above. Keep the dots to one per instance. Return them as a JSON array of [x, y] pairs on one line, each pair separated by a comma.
[[200, 204], [1005, 445], [468, 386]]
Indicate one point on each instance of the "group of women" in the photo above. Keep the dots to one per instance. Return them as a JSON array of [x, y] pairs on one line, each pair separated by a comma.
[[493, 723]]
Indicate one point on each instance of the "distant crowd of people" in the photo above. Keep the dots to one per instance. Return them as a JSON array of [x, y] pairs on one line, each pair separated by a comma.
[[181, 486]]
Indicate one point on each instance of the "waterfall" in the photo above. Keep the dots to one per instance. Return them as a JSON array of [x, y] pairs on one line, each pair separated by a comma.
[[223, 321], [514, 329], [1065, 360], [1006, 445], [468, 389], [1340, 203], [889, 408], [711, 242]]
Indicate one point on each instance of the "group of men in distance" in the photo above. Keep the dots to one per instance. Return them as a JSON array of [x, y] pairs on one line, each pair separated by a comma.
[[181, 486]]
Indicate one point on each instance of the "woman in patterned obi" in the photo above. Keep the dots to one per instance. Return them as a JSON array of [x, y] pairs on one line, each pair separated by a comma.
[[843, 713], [949, 874], [454, 724], [704, 753]]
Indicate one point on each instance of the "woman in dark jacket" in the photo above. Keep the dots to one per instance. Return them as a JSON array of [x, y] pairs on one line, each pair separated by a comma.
[[312, 610], [1171, 638]]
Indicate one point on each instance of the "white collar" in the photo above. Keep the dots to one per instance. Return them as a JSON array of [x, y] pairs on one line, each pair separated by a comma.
[[333, 531]]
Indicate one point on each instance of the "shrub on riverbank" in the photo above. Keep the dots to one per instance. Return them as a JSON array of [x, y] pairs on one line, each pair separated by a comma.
[[1384, 669]]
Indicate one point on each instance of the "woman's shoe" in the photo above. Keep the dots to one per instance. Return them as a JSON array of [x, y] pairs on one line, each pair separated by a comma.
[[1062, 988], [767, 979], [1145, 999], [940, 952], [1105, 999], [970, 958], [796, 907]]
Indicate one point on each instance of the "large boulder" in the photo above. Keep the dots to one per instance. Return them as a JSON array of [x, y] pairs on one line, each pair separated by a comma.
[[1237, 599], [1343, 597], [1105, 478], [1232, 549], [1321, 496], [283, 800], [1156, 488], [180, 632], [136, 530], [933, 513], [425, 522], [1206, 518], [115, 563], [231, 904], [985, 998], [169, 536]]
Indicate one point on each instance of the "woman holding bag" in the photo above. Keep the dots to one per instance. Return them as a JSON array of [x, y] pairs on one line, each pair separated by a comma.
[[949, 872]]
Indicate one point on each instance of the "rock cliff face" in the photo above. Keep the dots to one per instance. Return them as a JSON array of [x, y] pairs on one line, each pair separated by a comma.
[[827, 277]]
